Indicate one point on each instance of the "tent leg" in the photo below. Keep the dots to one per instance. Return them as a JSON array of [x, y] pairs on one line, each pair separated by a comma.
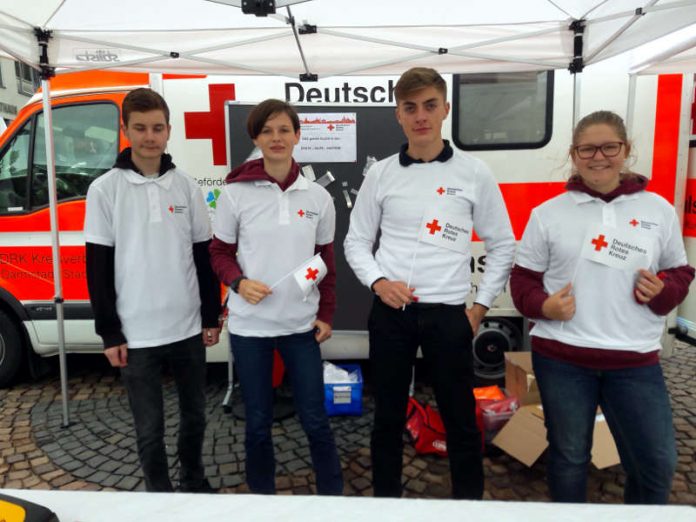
[[577, 84], [55, 243]]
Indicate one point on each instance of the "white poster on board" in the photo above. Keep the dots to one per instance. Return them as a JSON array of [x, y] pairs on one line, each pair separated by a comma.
[[327, 137]]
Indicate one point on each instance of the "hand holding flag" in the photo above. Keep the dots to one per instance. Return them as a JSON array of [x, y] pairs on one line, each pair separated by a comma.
[[252, 291]]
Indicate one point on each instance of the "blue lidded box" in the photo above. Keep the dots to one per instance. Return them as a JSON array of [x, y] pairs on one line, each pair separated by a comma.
[[344, 398]]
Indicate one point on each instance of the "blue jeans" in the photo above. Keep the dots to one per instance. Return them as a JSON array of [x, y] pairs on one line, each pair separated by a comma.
[[253, 357], [636, 405], [142, 379]]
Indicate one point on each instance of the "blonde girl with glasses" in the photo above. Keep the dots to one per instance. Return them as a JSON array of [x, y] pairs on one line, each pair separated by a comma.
[[597, 270]]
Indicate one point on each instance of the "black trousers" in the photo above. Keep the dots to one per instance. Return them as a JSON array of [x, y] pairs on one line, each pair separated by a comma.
[[444, 334], [143, 381]]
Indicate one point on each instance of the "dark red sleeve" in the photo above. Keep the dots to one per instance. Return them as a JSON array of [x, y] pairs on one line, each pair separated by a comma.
[[527, 289], [677, 281], [223, 259], [327, 287]]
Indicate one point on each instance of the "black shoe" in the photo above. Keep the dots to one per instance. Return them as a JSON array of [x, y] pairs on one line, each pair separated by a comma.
[[201, 487]]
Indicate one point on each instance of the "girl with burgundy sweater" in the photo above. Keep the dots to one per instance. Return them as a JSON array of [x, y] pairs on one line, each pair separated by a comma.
[[269, 221], [597, 270]]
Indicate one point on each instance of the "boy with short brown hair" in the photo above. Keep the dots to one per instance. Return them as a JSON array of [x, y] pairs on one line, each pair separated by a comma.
[[155, 298], [425, 202]]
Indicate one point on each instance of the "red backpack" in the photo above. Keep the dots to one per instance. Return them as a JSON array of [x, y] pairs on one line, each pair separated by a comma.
[[426, 429]]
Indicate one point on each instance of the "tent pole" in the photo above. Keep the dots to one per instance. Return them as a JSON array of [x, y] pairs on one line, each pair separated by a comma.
[[577, 91], [55, 244], [46, 73], [577, 65], [631, 103]]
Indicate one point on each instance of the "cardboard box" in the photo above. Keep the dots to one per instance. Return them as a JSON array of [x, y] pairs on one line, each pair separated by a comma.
[[524, 437], [344, 398], [519, 378]]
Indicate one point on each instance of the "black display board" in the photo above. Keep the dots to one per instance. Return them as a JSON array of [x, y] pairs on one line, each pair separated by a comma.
[[378, 135]]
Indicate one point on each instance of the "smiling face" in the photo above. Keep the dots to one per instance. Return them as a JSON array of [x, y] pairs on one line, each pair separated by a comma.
[[277, 138], [599, 172], [421, 115]]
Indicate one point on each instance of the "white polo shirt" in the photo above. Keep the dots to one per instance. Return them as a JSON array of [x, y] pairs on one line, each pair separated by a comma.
[[275, 232], [152, 224], [607, 316], [403, 203]]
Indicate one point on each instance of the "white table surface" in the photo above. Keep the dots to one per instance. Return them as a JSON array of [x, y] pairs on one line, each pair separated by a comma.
[[107, 506]]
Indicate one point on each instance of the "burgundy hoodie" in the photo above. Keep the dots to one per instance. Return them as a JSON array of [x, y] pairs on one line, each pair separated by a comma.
[[223, 256], [528, 294]]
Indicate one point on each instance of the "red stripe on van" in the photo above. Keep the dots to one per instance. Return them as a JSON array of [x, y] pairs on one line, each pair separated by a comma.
[[71, 218], [666, 143], [521, 198]]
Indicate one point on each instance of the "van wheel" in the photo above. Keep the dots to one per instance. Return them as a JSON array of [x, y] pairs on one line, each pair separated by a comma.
[[496, 336], [10, 349]]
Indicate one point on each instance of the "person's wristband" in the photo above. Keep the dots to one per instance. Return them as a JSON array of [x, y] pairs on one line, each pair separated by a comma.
[[234, 286]]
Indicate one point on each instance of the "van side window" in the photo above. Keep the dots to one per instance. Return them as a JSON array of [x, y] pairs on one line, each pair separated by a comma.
[[500, 111], [14, 165], [86, 145]]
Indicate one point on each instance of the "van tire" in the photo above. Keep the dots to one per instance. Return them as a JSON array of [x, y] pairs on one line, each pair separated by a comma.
[[11, 347]]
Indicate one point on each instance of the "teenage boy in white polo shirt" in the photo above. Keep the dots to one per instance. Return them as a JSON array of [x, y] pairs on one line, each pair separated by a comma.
[[155, 298], [425, 202]]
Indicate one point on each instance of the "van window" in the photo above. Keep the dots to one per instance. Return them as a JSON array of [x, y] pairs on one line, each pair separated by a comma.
[[86, 145], [14, 165], [502, 110]]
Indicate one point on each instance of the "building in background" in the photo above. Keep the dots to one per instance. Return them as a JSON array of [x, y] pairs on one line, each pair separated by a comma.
[[18, 82]]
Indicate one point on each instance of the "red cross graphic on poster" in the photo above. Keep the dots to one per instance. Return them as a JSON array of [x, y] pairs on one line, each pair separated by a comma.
[[312, 274], [599, 242], [171, 209], [441, 191], [300, 213], [211, 125], [433, 227], [633, 222], [330, 127]]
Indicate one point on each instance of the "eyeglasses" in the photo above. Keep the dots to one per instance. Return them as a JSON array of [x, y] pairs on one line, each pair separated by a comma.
[[609, 150]]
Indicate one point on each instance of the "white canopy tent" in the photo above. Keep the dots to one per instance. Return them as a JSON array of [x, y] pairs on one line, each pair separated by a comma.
[[336, 36], [319, 38], [674, 53]]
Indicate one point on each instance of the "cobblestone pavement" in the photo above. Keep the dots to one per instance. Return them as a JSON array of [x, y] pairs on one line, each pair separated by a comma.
[[97, 451]]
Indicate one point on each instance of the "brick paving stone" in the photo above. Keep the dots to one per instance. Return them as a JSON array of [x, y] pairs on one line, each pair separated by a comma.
[[83, 472], [52, 474], [231, 480], [128, 483], [11, 459], [61, 481]]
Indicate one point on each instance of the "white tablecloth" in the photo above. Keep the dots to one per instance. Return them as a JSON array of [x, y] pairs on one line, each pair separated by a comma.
[[90, 506]]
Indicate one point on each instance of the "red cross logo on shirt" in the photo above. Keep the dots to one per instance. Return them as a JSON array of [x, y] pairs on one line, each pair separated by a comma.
[[433, 227], [633, 222], [599, 242], [441, 191], [312, 274], [171, 209], [300, 213]]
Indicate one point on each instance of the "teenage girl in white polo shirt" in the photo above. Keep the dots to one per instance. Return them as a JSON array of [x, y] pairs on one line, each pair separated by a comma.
[[597, 270], [269, 221]]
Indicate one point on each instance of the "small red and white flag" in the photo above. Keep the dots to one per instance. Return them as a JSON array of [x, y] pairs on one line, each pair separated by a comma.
[[446, 230], [310, 274], [622, 248]]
